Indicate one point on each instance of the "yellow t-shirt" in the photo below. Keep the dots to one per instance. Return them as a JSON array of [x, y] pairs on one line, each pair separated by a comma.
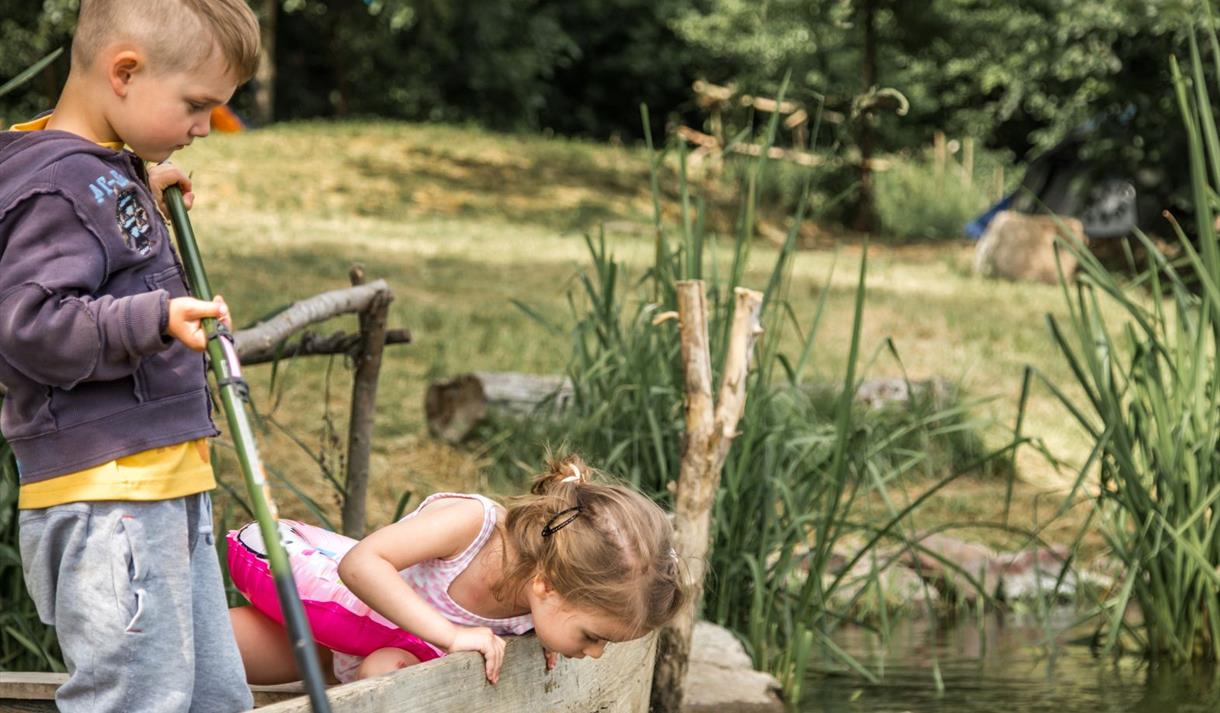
[[156, 474], [41, 123]]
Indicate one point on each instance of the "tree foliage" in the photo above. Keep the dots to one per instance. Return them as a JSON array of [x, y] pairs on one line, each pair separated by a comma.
[[28, 32], [1016, 75], [1020, 75]]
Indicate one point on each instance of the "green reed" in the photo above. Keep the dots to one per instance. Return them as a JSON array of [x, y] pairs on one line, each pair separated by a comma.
[[26, 644], [797, 475], [1153, 409]]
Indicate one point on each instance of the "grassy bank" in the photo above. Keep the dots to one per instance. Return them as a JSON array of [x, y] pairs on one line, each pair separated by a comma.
[[464, 223], [461, 222]]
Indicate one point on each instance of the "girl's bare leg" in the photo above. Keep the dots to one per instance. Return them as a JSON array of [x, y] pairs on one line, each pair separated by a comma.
[[384, 661], [266, 650]]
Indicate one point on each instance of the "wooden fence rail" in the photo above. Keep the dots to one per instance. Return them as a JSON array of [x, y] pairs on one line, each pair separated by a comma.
[[269, 341]]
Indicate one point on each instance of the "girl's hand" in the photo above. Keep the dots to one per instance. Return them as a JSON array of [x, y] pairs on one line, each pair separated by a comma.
[[164, 175], [552, 659], [481, 639]]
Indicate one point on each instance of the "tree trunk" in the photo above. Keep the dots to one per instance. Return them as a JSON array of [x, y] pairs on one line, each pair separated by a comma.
[[710, 429], [864, 208], [338, 58], [264, 78]]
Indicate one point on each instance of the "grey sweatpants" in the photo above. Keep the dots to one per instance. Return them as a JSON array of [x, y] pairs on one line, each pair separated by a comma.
[[135, 594]]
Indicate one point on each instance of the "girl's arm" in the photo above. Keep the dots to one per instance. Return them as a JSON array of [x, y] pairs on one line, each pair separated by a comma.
[[371, 571]]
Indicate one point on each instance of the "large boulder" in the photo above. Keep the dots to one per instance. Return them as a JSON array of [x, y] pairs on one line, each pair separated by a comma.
[[1021, 247], [722, 679]]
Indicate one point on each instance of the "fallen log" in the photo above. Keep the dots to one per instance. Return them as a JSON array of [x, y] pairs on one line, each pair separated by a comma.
[[265, 342], [453, 407], [618, 682], [268, 341], [313, 344], [266, 335]]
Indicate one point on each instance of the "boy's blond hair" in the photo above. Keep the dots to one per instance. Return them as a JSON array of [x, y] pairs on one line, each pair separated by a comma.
[[178, 35]]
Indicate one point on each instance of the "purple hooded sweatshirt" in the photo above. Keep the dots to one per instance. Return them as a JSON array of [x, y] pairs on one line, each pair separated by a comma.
[[86, 274]]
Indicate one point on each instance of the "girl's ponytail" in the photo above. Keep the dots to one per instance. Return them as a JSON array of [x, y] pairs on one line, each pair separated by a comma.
[[561, 472]]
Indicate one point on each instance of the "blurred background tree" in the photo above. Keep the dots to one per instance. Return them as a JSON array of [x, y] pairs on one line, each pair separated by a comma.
[[28, 32], [1017, 77]]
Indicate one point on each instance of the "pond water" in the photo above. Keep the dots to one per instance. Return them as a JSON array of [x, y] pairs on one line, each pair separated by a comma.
[[1004, 665]]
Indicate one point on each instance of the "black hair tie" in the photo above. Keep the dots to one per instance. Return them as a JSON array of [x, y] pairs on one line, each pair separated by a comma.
[[551, 526]]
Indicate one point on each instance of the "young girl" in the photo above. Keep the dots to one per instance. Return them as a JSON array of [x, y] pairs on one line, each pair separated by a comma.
[[581, 563]]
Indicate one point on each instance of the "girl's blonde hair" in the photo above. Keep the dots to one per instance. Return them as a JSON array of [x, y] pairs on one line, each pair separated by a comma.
[[597, 544]]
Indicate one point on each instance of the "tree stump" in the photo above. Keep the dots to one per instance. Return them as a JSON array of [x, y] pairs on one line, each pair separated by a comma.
[[453, 407], [711, 426]]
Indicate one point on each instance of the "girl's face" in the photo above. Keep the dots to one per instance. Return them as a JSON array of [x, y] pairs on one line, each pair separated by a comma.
[[574, 631]]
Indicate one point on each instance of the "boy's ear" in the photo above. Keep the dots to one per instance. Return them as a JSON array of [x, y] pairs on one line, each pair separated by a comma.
[[122, 68]]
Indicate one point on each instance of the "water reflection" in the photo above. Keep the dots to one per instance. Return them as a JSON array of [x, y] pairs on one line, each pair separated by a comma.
[[1007, 665]]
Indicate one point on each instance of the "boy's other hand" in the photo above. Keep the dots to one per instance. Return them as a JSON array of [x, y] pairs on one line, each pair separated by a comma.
[[162, 176], [186, 316]]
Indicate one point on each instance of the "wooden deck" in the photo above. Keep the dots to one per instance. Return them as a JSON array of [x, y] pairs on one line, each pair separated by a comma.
[[35, 692], [618, 682]]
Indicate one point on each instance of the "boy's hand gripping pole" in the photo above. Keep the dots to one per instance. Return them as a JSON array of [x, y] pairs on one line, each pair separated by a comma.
[[227, 370]]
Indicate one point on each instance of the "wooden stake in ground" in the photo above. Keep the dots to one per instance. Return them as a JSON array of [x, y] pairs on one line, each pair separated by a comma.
[[364, 396], [968, 160], [710, 429], [940, 156]]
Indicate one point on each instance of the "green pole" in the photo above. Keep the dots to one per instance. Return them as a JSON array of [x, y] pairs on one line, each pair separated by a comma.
[[227, 369]]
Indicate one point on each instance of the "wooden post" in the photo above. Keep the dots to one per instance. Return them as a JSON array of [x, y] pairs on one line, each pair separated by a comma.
[[710, 429], [715, 99], [968, 160], [364, 397], [866, 208], [940, 155], [264, 77]]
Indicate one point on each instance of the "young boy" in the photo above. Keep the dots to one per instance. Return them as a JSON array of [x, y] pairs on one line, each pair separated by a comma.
[[107, 408]]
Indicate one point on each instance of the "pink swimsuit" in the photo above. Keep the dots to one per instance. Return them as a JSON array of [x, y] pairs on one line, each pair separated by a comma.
[[431, 579]]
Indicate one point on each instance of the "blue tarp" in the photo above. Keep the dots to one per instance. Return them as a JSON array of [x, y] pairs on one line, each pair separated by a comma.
[[975, 228]]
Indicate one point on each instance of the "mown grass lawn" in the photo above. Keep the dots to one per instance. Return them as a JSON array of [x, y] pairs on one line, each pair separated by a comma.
[[461, 222]]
